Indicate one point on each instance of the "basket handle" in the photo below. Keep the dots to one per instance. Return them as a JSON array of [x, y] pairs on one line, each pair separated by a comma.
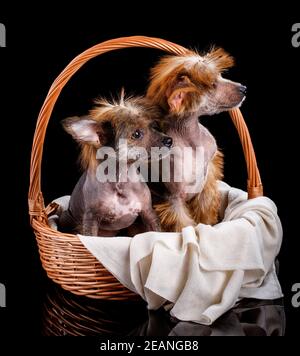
[[35, 196]]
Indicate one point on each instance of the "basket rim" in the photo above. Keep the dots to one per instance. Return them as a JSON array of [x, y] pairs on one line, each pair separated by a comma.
[[46, 236], [35, 196]]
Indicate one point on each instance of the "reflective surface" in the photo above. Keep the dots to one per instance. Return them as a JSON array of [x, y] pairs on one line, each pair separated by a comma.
[[68, 314]]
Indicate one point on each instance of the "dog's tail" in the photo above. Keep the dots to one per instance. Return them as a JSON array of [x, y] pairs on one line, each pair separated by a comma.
[[173, 215]]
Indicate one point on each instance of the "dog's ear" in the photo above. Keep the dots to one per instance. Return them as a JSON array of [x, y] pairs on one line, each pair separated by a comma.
[[86, 130], [82, 129], [180, 94]]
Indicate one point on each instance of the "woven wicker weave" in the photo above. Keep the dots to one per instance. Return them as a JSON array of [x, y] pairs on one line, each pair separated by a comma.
[[66, 261]]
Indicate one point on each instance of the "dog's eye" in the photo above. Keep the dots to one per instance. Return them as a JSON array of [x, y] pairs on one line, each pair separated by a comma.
[[138, 134]]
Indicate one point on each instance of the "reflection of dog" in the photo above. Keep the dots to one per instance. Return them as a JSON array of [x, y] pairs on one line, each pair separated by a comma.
[[103, 208], [187, 87]]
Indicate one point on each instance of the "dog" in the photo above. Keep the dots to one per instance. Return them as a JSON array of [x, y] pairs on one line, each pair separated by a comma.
[[186, 87], [103, 208]]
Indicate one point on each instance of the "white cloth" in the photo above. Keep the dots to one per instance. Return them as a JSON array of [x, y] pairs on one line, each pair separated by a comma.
[[205, 270]]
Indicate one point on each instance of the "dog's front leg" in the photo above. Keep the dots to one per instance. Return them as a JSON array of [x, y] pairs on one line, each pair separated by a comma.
[[174, 215], [90, 225], [150, 219]]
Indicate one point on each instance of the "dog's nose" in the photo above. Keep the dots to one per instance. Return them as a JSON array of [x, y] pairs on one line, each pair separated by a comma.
[[167, 141], [243, 89]]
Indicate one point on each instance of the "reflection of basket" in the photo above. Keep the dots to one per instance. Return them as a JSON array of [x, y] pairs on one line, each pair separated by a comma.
[[67, 314], [63, 256]]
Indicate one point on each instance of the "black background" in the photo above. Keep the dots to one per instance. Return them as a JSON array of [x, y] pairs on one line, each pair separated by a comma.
[[40, 43]]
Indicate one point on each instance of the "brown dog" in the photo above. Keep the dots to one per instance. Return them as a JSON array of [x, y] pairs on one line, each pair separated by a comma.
[[187, 87], [127, 131]]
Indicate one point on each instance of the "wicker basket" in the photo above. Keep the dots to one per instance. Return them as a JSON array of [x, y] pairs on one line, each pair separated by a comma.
[[66, 261]]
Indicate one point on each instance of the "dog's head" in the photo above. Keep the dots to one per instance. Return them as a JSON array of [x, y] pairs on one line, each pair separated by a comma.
[[131, 125], [194, 83]]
